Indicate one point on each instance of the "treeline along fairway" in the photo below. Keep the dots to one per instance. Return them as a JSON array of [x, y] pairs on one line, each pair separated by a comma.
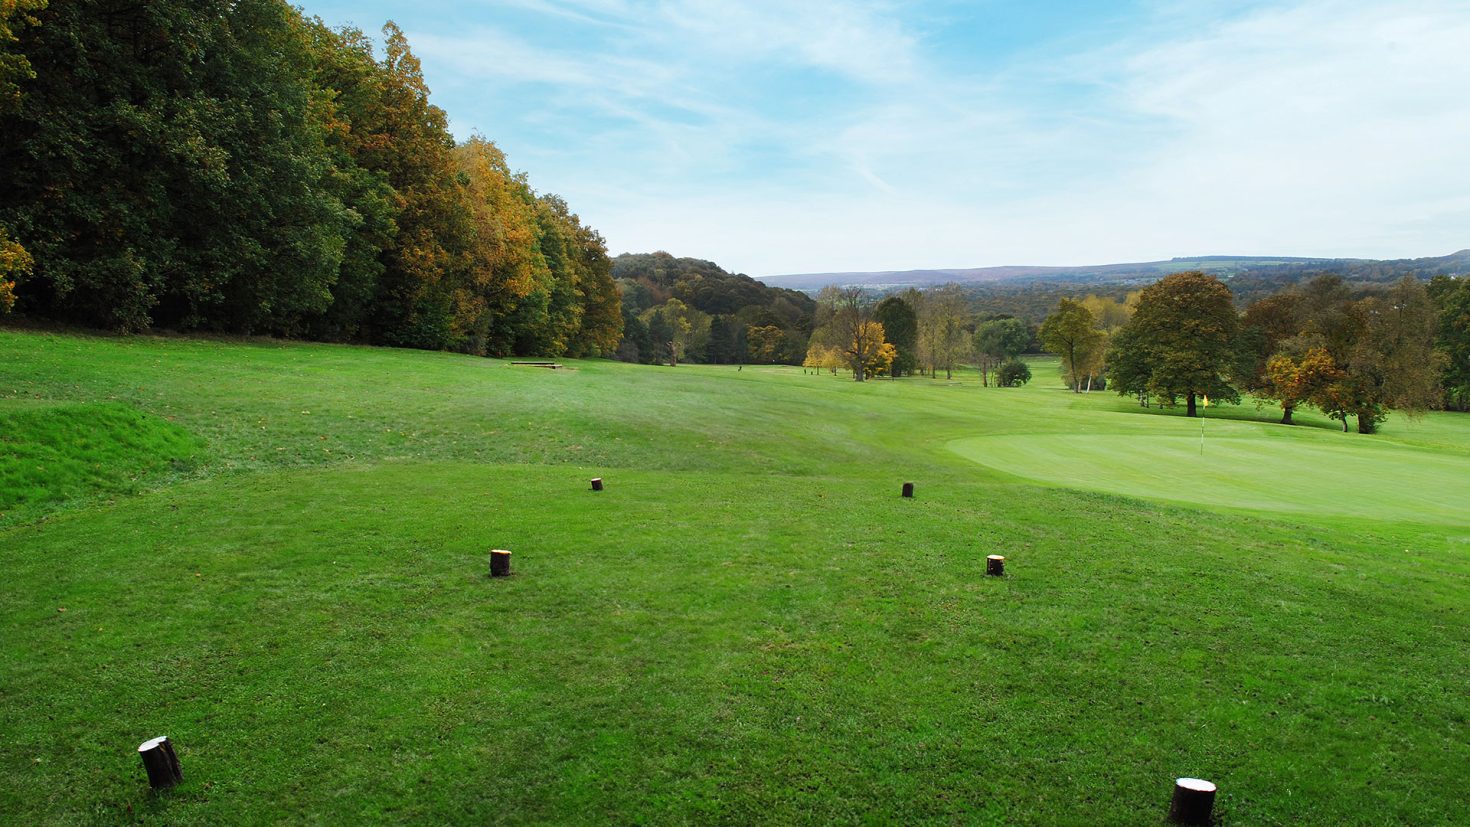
[[239, 167]]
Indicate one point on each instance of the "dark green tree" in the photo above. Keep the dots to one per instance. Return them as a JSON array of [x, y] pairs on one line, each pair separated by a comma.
[[1452, 299], [1013, 374], [1182, 338], [166, 165], [998, 342], [721, 347], [900, 329]]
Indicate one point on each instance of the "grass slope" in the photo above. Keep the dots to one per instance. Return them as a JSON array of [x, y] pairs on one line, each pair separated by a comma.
[[53, 453], [748, 625]]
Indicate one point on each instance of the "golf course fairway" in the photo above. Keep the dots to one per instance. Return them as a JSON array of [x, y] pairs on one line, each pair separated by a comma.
[[275, 554]]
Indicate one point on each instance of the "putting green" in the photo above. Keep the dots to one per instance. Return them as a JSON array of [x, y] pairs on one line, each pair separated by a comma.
[[1311, 475]]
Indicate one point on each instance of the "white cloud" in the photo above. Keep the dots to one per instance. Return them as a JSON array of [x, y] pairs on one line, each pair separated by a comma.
[[1320, 127]]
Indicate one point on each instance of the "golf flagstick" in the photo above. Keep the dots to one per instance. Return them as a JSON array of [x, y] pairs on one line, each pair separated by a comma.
[[1202, 424]]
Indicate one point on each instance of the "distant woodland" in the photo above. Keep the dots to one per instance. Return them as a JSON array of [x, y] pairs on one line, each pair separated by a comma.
[[236, 166], [688, 309]]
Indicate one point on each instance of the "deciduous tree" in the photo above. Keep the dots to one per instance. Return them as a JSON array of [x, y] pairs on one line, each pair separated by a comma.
[[1182, 338], [997, 342], [901, 329], [764, 343], [1291, 381], [943, 337], [848, 325], [1452, 299], [1013, 374], [1071, 333]]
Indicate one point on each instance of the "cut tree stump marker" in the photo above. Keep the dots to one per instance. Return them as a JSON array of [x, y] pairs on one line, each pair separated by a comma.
[[1194, 801], [995, 565], [908, 489], [499, 563], [597, 483], [161, 763]]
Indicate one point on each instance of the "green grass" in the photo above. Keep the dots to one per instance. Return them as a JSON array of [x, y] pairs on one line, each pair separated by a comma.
[[1265, 468], [748, 625], [51, 453]]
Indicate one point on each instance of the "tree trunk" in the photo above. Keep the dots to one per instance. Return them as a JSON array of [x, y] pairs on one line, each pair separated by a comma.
[[1190, 408], [1089, 383], [1366, 425], [1286, 415]]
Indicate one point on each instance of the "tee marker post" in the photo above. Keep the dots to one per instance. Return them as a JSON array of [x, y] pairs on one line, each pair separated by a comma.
[[161, 762], [499, 563], [1194, 799]]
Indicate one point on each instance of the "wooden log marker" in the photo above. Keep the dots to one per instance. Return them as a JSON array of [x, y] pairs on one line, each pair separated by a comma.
[[499, 563], [161, 763], [995, 565], [1194, 800], [597, 483], [908, 489]]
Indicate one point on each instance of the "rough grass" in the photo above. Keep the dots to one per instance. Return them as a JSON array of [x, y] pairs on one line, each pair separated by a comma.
[[748, 625], [53, 453]]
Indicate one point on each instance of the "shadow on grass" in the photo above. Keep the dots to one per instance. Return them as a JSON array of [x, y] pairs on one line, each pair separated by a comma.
[[1266, 415]]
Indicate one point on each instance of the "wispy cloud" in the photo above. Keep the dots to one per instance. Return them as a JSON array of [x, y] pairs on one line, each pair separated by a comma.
[[779, 137]]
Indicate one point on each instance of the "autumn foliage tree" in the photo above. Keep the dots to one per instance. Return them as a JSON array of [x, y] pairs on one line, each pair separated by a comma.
[[232, 165], [1294, 380], [847, 324]]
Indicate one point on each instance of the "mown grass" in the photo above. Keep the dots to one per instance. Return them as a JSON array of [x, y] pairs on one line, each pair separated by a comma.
[[748, 625]]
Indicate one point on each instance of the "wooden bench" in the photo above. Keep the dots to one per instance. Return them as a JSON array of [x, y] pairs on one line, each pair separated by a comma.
[[552, 365]]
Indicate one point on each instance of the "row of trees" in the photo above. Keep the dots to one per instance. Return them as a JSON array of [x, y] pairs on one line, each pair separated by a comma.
[[914, 331], [1349, 353], [232, 165]]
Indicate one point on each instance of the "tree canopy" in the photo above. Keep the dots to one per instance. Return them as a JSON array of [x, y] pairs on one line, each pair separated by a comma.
[[901, 329], [734, 305], [1181, 342], [235, 166], [998, 342], [1071, 333]]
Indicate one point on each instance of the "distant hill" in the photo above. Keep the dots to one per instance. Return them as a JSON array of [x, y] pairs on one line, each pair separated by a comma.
[[1225, 267]]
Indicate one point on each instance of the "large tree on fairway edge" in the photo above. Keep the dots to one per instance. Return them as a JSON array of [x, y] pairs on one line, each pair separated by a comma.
[[1182, 340]]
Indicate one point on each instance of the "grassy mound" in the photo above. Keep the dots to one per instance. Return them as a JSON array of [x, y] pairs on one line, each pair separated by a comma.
[[50, 453], [748, 625]]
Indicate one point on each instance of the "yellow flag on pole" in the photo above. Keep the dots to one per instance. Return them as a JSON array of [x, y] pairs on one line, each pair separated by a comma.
[[1207, 400]]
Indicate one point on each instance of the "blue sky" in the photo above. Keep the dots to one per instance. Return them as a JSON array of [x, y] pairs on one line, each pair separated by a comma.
[[783, 137]]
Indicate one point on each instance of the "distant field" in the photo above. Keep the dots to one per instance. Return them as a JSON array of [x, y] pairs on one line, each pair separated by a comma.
[[275, 554]]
